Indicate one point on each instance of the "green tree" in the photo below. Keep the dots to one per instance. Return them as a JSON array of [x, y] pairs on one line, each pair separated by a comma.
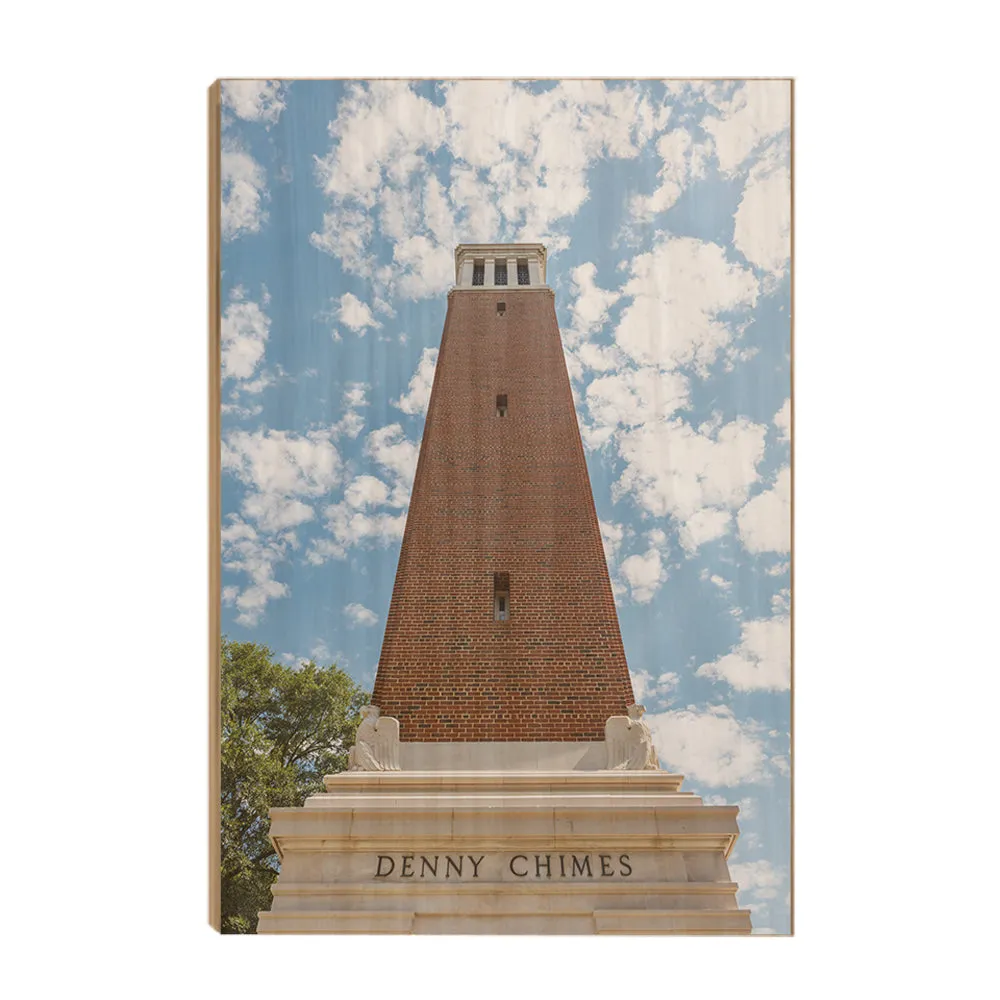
[[282, 730]]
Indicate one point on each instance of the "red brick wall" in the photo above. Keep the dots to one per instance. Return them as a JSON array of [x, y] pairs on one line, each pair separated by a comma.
[[502, 495]]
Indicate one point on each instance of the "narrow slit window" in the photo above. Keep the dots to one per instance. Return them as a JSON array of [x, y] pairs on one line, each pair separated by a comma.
[[501, 596], [523, 276], [500, 273], [478, 272], [502, 405], [501, 308]]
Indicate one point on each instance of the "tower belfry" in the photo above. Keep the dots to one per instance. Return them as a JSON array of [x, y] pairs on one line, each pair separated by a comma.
[[502, 780]]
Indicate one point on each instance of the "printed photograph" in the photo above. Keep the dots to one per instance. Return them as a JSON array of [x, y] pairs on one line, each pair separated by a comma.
[[503, 476]]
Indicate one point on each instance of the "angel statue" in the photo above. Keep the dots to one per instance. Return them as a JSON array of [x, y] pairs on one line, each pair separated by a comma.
[[376, 746], [630, 743]]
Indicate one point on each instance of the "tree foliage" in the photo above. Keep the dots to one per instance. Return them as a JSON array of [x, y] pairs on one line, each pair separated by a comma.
[[282, 730]]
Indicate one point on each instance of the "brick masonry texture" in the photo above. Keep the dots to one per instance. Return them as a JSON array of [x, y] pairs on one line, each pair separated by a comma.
[[502, 495]]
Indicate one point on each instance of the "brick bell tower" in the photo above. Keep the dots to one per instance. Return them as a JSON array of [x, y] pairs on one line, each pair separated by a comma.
[[502, 780], [502, 625]]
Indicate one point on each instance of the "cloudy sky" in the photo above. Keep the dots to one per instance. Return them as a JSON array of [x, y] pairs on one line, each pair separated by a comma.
[[666, 210]]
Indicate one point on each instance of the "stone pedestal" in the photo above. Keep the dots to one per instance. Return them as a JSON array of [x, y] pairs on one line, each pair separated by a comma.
[[530, 851]]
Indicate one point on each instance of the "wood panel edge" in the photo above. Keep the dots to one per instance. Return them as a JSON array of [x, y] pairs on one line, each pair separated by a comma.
[[214, 509]]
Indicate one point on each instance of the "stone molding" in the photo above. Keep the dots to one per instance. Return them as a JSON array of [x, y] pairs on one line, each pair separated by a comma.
[[513, 782], [494, 289], [469, 888]]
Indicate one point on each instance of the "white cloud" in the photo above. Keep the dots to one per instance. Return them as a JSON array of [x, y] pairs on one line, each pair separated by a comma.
[[366, 491], [259, 384], [244, 189], [765, 522], [349, 527], [285, 473], [763, 222], [783, 421], [360, 615], [644, 573], [679, 297], [635, 396], [679, 291], [694, 476], [594, 438], [719, 581], [781, 602], [472, 199], [244, 331], [346, 234], [682, 160], [536, 148], [703, 526], [381, 123], [758, 110], [352, 422], [759, 879], [321, 653], [425, 268], [282, 462], [394, 451], [355, 314], [760, 661], [709, 746], [654, 692], [242, 412], [590, 304], [417, 397], [254, 100], [438, 216], [272, 512], [381, 133], [245, 550], [357, 519], [519, 171], [596, 357], [611, 538]]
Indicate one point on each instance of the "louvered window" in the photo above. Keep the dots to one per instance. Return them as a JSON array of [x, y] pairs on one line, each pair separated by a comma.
[[501, 596]]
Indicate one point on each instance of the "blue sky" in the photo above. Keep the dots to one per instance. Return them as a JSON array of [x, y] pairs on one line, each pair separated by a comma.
[[665, 208]]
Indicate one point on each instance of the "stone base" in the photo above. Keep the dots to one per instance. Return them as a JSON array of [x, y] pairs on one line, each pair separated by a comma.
[[501, 852]]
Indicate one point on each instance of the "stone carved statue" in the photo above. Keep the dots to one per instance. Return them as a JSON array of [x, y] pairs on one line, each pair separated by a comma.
[[376, 747], [629, 742]]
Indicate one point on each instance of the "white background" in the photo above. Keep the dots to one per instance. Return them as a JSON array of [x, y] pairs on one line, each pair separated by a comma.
[[105, 482]]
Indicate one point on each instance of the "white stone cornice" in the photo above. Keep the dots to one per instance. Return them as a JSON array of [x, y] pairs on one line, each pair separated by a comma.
[[534, 780]]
